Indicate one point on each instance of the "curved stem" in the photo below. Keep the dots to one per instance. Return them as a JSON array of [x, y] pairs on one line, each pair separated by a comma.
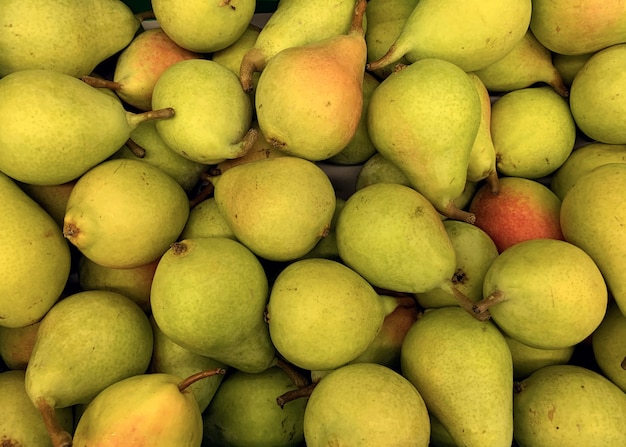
[[137, 150], [58, 436], [298, 379], [199, 376], [298, 393]]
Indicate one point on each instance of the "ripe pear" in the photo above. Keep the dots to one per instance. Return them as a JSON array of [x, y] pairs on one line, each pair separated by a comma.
[[20, 422], [528, 63], [278, 207], [218, 315], [316, 303], [244, 411], [36, 261], [456, 31], [309, 98], [533, 131], [568, 65], [344, 408], [52, 198], [462, 368], [155, 409], [55, 127], [558, 300], [591, 218], [16, 344], [86, 342], [379, 169], [125, 213], [609, 346], [213, 114], [410, 121], [527, 359], [590, 26], [568, 405], [231, 56], [316, 21], [596, 99], [206, 220], [67, 37]]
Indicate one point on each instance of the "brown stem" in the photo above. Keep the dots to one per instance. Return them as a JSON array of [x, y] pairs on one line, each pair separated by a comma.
[[494, 182], [199, 376], [204, 193], [298, 379], [253, 61], [146, 15], [453, 212], [137, 150], [298, 393], [101, 83], [58, 436], [465, 303], [356, 27], [483, 305]]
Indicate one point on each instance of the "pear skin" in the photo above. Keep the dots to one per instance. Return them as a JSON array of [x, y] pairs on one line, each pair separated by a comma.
[[16, 344], [609, 346]]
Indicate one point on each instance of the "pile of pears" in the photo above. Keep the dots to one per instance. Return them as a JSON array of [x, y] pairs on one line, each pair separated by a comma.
[[227, 228]]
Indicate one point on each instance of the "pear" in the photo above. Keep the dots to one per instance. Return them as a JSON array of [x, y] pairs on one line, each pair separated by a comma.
[[206, 220], [20, 422], [309, 98], [322, 314], [67, 37], [528, 63], [278, 207], [56, 127], [203, 27], [231, 56], [608, 343], [146, 409], [86, 342], [581, 161], [171, 358], [344, 408], [568, 65], [456, 31], [410, 121], [379, 169], [462, 368], [527, 359], [327, 246], [316, 21], [218, 315], [558, 301], [475, 251], [52, 198], [568, 405], [244, 411], [112, 211], [591, 218], [533, 131], [16, 344], [595, 95], [213, 114], [591, 26], [36, 260]]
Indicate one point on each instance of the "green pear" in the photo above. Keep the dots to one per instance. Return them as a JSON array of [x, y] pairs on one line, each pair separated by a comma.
[[52, 198], [592, 26], [462, 368], [316, 21], [345, 407], [16, 344], [568, 65], [213, 114], [568, 405], [528, 63], [545, 293], [533, 132], [591, 218], [596, 99], [146, 409], [528, 359], [327, 246], [113, 208], [378, 169], [456, 31], [55, 127], [154, 151], [21, 423], [608, 343], [231, 56], [278, 207], [244, 411], [67, 37], [309, 98], [322, 314], [475, 251], [86, 342], [206, 220], [583, 160], [410, 121], [203, 27], [171, 358], [218, 315], [385, 19], [36, 261]]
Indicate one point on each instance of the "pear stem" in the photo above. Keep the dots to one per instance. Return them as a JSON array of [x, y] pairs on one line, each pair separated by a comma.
[[101, 83], [464, 302], [58, 436], [298, 393], [182, 386], [137, 150], [356, 26], [298, 379], [453, 212], [134, 119], [204, 193], [494, 182], [253, 61], [483, 305]]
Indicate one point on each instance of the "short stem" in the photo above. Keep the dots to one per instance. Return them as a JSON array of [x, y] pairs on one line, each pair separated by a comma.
[[453, 212], [483, 305], [134, 119], [199, 376], [494, 182], [298, 393], [101, 83], [58, 436], [137, 150]]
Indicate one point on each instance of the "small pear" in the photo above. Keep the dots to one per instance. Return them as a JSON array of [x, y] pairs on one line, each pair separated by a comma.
[[52, 198], [206, 220], [609, 346], [327, 246], [379, 169], [146, 409], [231, 56], [568, 405], [309, 98], [528, 359], [16, 344], [568, 65]]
